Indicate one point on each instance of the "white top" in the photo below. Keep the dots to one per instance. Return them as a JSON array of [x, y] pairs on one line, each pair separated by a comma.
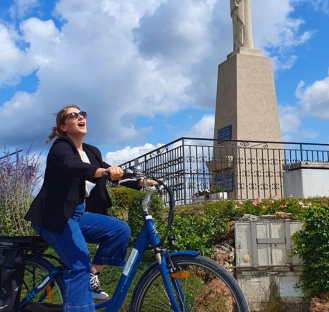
[[89, 185]]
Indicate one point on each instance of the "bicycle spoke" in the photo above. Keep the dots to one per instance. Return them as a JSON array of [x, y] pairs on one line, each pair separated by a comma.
[[24, 284], [165, 297], [33, 279], [165, 291], [195, 299]]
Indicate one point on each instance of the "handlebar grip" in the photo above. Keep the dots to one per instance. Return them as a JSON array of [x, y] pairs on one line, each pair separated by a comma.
[[106, 175], [127, 174]]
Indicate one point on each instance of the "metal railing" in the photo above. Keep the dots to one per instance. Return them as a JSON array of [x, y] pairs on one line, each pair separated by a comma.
[[244, 169]]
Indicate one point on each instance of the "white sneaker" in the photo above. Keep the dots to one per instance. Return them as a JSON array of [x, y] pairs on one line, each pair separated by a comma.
[[98, 293]]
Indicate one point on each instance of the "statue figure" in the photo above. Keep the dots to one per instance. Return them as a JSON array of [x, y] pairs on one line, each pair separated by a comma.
[[242, 24]]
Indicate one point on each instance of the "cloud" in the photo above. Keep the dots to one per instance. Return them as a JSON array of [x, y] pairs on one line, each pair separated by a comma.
[[202, 129], [22, 8], [321, 5], [314, 99], [129, 153], [286, 64], [14, 63], [122, 60], [291, 120]]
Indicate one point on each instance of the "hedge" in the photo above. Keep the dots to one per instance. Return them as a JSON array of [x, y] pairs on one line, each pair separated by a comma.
[[200, 226]]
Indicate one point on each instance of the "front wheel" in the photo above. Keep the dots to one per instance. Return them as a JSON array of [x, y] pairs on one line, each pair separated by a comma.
[[201, 285]]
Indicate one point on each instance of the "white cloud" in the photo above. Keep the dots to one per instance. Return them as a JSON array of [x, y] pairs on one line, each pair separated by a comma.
[[21, 8], [321, 5], [286, 64], [314, 99], [129, 153], [202, 129], [14, 62], [289, 121], [125, 60]]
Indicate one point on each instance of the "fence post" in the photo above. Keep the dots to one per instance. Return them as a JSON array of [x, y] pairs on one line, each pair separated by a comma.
[[301, 151], [184, 173]]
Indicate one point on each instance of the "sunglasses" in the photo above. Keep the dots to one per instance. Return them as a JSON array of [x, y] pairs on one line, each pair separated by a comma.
[[76, 115]]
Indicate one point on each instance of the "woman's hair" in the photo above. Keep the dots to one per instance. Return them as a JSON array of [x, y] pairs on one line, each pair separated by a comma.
[[60, 119]]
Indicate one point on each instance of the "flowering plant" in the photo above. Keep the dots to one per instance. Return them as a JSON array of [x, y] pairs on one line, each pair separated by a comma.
[[18, 180], [213, 189]]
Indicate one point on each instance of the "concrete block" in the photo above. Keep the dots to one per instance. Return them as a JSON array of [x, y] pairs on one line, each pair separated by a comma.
[[306, 183]]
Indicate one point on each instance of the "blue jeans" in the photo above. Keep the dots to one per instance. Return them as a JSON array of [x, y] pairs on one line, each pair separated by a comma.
[[111, 234]]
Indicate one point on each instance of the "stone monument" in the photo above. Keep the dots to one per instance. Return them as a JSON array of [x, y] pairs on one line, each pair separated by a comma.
[[242, 24], [246, 105]]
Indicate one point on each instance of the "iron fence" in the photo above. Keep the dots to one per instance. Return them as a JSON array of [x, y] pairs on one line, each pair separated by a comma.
[[238, 169]]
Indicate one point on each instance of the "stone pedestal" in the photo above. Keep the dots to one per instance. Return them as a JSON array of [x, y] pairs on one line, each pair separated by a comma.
[[246, 98], [246, 109]]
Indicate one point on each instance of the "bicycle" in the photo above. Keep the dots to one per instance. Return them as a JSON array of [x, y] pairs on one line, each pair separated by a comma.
[[181, 281]]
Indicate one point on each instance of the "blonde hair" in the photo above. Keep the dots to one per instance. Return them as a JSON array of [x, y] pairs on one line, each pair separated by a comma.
[[60, 119]]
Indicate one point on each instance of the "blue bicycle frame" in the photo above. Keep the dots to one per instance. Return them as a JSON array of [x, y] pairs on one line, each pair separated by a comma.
[[148, 235]]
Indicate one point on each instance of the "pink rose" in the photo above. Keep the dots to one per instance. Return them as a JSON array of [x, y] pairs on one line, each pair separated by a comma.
[[281, 206], [239, 203], [255, 203]]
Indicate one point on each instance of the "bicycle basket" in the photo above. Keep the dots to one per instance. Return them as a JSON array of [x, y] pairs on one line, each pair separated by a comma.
[[11, 276]]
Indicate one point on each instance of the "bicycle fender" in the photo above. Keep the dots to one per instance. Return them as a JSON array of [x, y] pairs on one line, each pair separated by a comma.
[[185, 252]]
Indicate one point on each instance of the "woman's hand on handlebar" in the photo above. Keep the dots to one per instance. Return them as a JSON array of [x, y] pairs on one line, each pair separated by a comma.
[[115, 172]]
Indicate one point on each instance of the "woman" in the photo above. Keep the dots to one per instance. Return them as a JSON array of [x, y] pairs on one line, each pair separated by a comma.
[[57, 213]]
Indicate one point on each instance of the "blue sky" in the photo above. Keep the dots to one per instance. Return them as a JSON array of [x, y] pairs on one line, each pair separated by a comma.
[[145, 71]]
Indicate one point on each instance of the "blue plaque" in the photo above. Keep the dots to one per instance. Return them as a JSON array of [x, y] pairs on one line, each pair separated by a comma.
[[224, 134]]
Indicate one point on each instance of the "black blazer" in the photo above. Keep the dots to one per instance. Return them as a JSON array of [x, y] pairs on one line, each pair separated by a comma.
[[64, 186]]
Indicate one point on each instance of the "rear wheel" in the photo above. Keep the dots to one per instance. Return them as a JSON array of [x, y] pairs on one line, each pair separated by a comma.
[[200, 285], [36, 270]]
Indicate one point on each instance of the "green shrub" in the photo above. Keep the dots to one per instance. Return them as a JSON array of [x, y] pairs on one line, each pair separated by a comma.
[[313, 246], [199, 226], [121, 198]]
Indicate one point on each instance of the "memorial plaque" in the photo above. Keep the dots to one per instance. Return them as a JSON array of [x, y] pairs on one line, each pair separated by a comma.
[[224, 134], [226, 181]]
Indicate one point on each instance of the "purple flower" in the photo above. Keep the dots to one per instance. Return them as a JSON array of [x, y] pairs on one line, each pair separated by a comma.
[[18, 180]]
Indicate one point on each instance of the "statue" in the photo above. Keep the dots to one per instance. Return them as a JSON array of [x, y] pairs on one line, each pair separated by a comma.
[[242, 24]]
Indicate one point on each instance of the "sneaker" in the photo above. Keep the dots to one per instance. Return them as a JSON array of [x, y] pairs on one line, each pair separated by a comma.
[[98, 293]]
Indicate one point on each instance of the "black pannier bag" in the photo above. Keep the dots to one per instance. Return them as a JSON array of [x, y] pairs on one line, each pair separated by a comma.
[[11, 276]]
